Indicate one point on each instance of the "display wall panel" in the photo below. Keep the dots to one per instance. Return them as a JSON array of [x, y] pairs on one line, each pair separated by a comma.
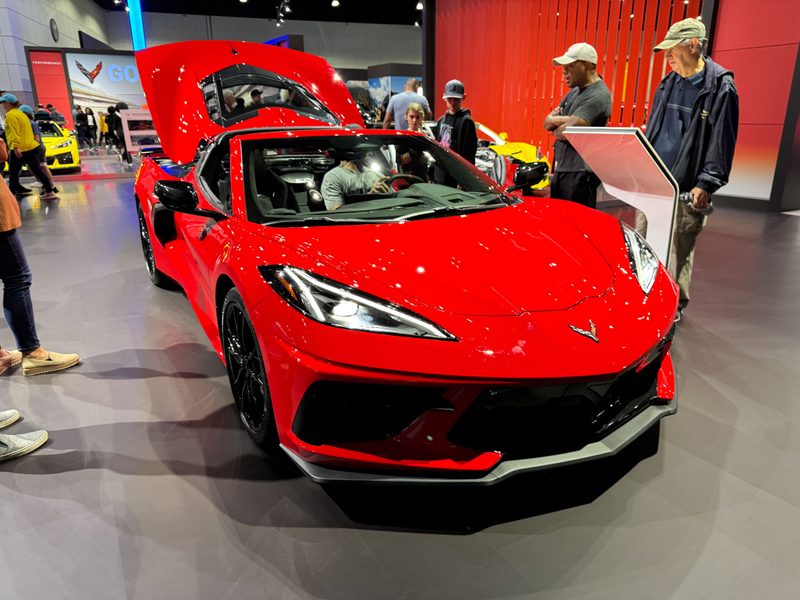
[[763, 78], [745, 25]]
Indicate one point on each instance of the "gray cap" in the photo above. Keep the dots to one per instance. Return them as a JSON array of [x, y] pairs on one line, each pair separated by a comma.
[[453, 89], [581, 51], [680, 31]]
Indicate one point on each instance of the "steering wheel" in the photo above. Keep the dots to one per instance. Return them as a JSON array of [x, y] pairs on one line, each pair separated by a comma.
[[411, 179]]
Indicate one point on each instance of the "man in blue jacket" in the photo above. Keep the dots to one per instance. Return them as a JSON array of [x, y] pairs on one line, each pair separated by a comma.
[[693, 127]]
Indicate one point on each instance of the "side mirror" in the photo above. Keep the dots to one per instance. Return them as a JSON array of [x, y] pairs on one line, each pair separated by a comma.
[[180, 196], [528, 175]]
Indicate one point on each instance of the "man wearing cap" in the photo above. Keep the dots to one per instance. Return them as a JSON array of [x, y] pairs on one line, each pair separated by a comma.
[[588, 103], [255, 100], [22, 148], [455, 129], [396, 109], [693, 126]]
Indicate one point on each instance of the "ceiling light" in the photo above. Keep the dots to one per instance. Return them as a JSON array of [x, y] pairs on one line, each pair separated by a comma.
[[127, 9], [419, 5], [334, 3], [288, 9], [117, 1], [243, 1], [416, 23]]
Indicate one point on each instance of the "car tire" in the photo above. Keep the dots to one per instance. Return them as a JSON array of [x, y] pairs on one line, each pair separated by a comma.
[[157, 277], [246, 372]]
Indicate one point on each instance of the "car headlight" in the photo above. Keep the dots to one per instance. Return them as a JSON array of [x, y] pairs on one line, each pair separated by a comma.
[[63, 144], [644, 261], [338, 305], [491, 163]]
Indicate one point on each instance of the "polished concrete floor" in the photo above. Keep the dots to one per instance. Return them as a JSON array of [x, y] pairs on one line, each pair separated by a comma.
[[149, 488]]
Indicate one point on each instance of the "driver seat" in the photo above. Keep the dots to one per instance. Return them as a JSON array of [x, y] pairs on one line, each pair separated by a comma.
[[267, 190]]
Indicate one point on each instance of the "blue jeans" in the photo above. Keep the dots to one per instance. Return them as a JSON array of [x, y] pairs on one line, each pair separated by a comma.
[[16, 276]]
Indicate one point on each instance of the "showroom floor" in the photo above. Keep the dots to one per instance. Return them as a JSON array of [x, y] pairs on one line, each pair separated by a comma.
[[149, 487]]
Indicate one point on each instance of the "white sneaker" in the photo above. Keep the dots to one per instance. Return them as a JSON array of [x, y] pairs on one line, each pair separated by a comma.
[[12, 446], [7, 417]]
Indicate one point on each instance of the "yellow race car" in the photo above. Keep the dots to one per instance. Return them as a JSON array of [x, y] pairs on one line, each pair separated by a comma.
[[61, 147], [499, 158]]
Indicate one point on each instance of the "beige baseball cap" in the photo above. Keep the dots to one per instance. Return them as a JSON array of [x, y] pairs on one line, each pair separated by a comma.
[[581, 51], [682, 30]]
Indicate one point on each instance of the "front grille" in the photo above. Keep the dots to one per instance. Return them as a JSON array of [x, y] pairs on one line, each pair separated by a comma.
[[64, 158], [527, 422], [337, 412]]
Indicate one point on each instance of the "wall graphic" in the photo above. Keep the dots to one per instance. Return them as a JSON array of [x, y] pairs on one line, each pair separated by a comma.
[[102, 80], [380, 87], [47, 71]]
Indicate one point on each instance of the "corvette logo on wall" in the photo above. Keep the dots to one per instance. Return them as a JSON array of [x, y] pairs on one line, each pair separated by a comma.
[[591, 333], [94, 72]]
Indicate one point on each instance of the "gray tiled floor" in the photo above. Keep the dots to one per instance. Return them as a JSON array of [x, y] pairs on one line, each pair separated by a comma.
[[149, 488]]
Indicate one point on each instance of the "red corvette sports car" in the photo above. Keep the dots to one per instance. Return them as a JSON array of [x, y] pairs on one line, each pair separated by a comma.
[[386, 312]]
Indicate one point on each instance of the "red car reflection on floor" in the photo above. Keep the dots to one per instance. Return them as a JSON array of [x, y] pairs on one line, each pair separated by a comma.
[[387, 312]]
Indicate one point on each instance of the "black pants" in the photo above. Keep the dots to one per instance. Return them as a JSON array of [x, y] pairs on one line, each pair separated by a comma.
[[30, 158], [578, 186]]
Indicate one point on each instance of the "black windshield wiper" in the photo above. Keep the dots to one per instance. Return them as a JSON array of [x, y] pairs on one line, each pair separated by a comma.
[[444, 211]]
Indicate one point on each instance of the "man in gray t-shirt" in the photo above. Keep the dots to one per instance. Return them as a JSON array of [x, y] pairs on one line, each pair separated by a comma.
[[588, 103], [350, 178], [398, 104]]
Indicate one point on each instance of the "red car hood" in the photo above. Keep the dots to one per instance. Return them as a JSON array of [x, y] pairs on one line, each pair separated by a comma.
[[501, 262], [171, 76]]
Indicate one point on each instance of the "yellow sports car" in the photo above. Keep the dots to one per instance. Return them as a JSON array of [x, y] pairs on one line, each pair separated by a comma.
[[496, 155], [61, 148], [500, 159]]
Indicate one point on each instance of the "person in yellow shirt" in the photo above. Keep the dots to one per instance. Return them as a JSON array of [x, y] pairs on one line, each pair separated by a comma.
[[22, 148], [102, 126]]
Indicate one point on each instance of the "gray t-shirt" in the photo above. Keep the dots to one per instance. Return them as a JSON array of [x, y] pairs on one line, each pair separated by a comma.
[[592, 103], [340, 182], [398, 105]]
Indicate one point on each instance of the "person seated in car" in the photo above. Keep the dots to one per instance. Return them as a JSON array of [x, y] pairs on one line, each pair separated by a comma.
[[255, 100], [230, 107], [351, 178]]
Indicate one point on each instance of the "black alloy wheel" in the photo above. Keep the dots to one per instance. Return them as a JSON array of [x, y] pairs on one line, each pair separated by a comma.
[[156, 276], [246, 372]]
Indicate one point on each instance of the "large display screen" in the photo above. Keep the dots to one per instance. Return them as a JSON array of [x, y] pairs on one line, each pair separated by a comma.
[[102, 80]]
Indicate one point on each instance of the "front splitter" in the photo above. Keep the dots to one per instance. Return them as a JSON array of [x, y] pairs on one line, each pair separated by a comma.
[[610, 445]]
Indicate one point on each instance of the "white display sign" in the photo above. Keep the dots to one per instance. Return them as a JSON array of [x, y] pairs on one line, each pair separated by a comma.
[[632, 171]]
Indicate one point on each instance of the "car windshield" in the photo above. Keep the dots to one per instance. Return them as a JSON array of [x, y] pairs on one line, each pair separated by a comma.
[[238, 93], [337, 179], [49, 129]]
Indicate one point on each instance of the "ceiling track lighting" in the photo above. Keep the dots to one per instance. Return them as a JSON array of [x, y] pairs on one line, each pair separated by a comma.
[[419, 6], [334, 3], [283, 9]]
